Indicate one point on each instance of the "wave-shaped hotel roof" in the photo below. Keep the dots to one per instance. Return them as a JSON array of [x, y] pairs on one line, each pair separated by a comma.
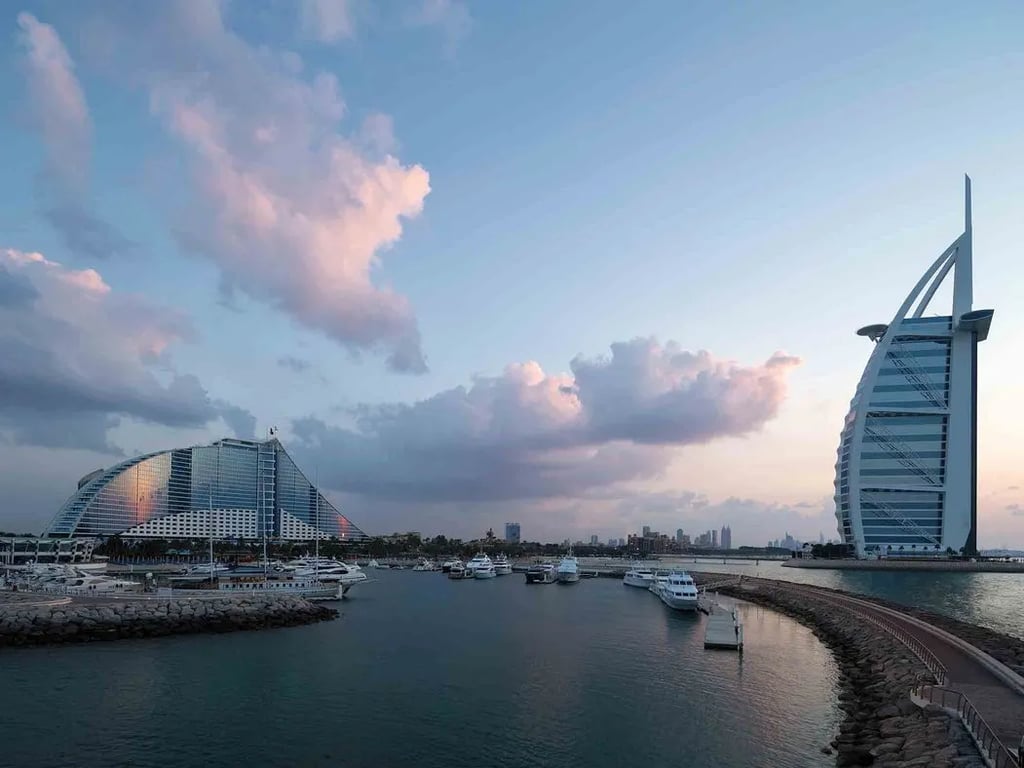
[[241, 488]]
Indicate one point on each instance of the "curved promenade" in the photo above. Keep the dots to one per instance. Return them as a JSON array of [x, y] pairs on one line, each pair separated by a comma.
[[987, 695]]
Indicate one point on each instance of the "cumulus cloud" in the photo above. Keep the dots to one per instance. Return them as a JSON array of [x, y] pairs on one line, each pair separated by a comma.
[[75, 356], [59, 112], [326, 21], [527, 433], [295, 213]]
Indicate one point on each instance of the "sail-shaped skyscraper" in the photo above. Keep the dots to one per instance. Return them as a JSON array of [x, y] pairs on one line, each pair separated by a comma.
[[906, 476]]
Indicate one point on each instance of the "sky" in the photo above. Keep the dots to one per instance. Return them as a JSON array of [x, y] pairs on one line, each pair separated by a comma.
[[583, 265]]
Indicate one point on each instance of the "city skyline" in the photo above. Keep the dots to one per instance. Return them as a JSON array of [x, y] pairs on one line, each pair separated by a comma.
[[585, 267]]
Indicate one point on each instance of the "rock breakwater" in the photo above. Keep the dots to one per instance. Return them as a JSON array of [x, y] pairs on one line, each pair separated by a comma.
[[46, 620], [881, 725]]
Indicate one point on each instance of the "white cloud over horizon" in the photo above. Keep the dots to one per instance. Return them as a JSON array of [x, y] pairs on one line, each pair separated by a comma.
[[529, 434]]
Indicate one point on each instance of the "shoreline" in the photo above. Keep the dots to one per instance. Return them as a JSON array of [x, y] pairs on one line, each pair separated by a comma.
[[881, 725], [31, 619], [934, 566]]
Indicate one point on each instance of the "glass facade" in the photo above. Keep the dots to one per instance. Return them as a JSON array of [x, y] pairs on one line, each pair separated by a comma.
[[241, 488], [901, 450]]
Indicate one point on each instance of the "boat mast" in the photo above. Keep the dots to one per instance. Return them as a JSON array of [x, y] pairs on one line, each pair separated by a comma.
[[316, 560], [210, 507]]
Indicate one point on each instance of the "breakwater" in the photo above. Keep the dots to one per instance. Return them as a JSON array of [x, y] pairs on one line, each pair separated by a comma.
[[27, 619], [943, 566], [881, 725]]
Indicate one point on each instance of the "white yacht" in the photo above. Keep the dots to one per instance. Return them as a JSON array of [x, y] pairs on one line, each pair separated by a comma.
[[679, 592], [638, 577], [480, 560], [502, 567], [660, 579], [446, 566], [456, 571], [425, 565], [541, 573], [326, 570], [87, 584], [203, 571], [484, 571], [568, 571]]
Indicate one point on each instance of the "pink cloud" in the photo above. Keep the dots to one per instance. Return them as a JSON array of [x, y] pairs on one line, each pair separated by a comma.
[[530, 434], [295, 213]]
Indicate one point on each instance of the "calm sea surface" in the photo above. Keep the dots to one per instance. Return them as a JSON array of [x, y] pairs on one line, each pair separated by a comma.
[[994, 600], [428, 673]]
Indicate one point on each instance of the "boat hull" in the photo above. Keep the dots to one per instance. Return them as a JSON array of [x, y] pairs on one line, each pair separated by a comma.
[[635, 581], [568, 578], [677, 603], [484, 574]]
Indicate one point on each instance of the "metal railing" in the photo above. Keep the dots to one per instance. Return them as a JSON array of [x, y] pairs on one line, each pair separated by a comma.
[[914, 644], [988, 743]]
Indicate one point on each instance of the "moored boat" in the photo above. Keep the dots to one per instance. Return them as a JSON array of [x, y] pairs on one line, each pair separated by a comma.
[[480, 560], [457, 571], [484, 571], [568, 571], [502, 567], [656, 584], [541, 573], [638, 577], [679, 592]]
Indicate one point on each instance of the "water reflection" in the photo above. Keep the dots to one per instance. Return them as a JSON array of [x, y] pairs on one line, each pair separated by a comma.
[[989, 599], [424, 671]]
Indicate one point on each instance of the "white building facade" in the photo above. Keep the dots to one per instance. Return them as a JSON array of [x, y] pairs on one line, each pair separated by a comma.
[[906, 475]]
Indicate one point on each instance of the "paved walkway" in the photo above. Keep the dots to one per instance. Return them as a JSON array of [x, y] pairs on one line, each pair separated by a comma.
[[999, 704]]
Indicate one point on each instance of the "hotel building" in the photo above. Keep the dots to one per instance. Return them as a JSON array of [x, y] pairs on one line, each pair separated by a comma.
[[906, 476]]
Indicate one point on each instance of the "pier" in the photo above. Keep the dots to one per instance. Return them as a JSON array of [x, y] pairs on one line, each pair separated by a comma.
[[723, 629], [984, 694]]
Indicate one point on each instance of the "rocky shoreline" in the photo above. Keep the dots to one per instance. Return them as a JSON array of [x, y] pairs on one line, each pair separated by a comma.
[[45, 620], [881, 725], [1003, 648]]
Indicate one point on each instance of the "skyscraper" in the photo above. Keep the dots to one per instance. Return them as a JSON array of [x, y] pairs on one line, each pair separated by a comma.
[[726, 537], [647, 531], [679, 535], [906, 476], [594, 541], [714, 538], [512, 533]]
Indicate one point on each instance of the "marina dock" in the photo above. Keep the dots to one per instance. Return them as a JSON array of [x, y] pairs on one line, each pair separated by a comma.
[[724, 629]]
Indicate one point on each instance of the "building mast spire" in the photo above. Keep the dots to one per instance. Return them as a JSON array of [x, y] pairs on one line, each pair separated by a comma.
[[963, 280]]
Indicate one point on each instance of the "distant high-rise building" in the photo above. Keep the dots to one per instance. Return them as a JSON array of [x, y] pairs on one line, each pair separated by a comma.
[[647, 531], [679, 535], [726, 537], [594, 541], [714, 539], [613, 542], [821, 537], [512, 533], [622, 542]]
